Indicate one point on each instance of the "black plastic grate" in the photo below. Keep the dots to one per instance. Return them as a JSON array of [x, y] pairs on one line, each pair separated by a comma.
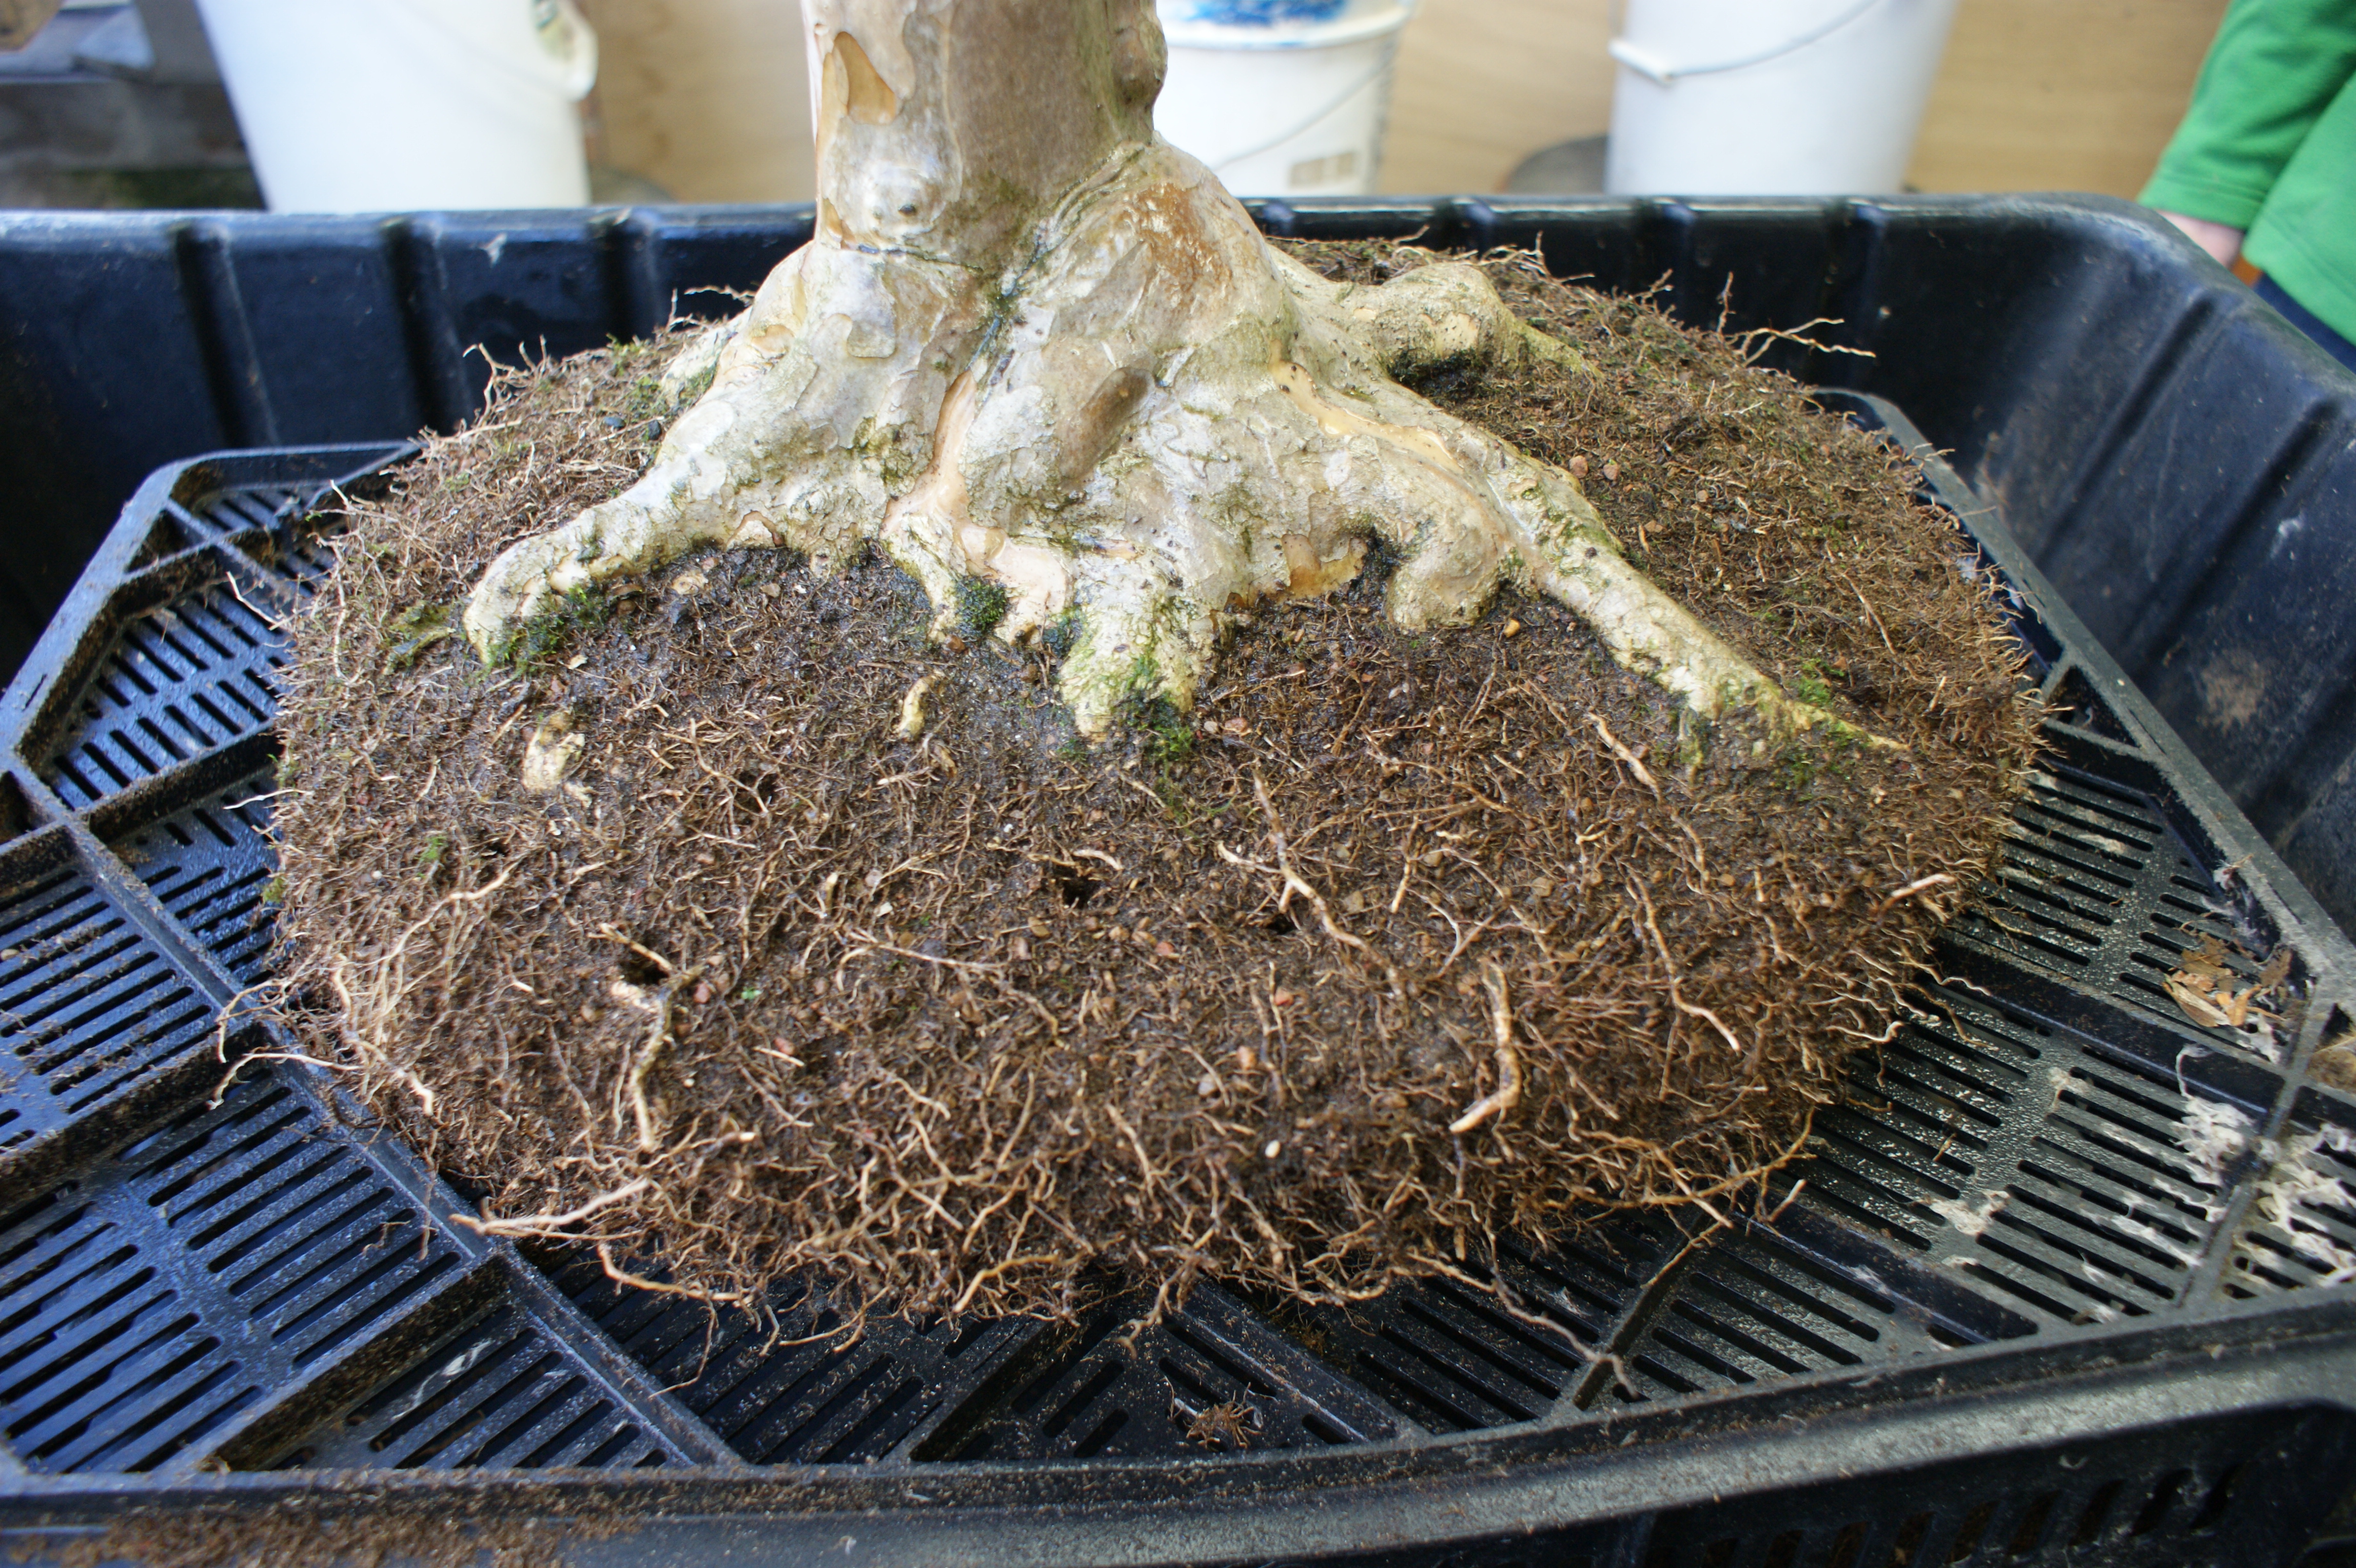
[[1753, 1310], [793, 1385], [2095, 885], [107, 1369], [177, 683], [2126, 1175], [211, 863], [183, 1279], [1211, 1377], [1450, 1357], [1929, 1120], [2302, 1230], [89, 1003], [2076, 1183], [297, 554], [247, 508], [287, 530], [167, 536], [501, 1394]]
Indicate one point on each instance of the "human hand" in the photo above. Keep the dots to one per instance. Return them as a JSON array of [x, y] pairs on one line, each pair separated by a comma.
[[2221, 241]]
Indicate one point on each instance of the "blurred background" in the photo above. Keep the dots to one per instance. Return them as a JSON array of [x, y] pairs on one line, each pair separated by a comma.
[[136, 104]]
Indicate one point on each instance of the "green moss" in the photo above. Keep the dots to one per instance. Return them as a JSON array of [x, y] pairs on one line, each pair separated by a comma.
[[1059, 635], [436, 845], [1168, 733], [415, 629], [982, 604], [698, 384], [1238, 507], [1693, 739], [1809, 685], [1185, 811], [1797, 765], [582, 609], [1843, 741]]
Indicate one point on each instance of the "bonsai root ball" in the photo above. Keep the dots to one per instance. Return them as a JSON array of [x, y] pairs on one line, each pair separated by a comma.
[[736, 928]]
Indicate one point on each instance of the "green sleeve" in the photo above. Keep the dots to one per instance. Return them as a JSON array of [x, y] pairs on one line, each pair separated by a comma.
[[2275, 67], [2305, 237]]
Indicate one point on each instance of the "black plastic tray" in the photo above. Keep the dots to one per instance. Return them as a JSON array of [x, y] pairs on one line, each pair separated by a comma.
[[2138, 1354], [2063, 1284]]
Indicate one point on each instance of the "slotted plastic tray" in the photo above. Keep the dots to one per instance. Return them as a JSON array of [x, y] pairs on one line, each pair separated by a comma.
[[2065, 1280]]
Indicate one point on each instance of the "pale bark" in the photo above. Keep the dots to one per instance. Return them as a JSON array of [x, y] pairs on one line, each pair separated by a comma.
[[1035, 345]]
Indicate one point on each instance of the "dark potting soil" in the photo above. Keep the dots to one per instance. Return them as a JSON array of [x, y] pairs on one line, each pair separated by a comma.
[[1393, 944]]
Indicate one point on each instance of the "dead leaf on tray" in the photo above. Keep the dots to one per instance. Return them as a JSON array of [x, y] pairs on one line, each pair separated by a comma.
[[2203, 986]]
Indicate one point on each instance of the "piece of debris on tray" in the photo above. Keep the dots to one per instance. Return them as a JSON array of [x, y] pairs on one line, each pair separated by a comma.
[[2334, 1062], [2216, 994], [1223, 1426]]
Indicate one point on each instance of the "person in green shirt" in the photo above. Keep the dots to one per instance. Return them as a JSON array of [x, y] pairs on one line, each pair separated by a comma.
[[2265, 162]]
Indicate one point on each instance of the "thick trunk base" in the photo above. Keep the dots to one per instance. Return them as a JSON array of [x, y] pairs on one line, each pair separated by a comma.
[[1150, 425]]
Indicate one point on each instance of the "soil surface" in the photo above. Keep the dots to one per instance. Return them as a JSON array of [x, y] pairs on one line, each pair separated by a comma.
[[1393, 944]]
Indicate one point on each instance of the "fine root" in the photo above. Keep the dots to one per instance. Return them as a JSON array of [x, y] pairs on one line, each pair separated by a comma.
[[1509, 1065]]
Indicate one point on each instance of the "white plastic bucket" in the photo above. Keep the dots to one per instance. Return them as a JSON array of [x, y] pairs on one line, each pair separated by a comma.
[[394, 105], [1771, 96], [1281, 97]]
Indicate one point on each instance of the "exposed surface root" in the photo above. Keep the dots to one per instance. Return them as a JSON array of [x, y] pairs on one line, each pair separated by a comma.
[[1154, 423], [1394, 941]]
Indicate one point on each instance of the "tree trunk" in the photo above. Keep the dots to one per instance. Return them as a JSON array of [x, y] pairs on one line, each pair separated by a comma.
[[1035, 345]]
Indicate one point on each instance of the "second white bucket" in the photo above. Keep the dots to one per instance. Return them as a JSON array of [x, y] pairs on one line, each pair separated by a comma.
[[1281, 97], [395, 105], [1771, 96]]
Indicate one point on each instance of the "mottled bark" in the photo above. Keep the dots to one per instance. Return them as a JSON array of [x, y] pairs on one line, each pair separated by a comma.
[[1034, 345]]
